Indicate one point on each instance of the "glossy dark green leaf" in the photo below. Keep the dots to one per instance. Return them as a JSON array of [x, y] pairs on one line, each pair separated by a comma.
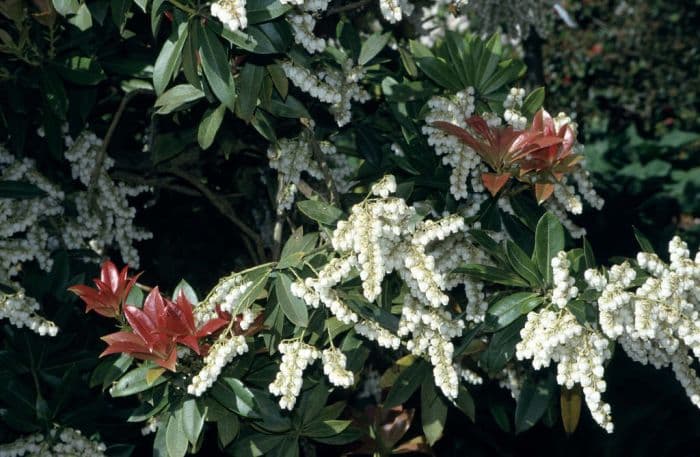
[[406, 384], [120, 11], [320, 212], [533, 102], [326, 428], [465, 403], [588, 254], [209, 125], [265, 10], [249, 83], [243, 400], [169, 58], [134, 382], [81, 70], [227, 429], [549, 240], [492, 274], [433, 411], [532, 403], [294, 308], [215, 65], [176, 97], [193, 416], [372, 46], [522, 264], [175, 439], [501, 348], [279, 79], [511, 307], [440, 72], [643, 241]]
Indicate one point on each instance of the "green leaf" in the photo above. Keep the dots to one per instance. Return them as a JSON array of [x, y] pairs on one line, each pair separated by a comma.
[[169, 58], [465, 403], [176, 97], [294, 308], [321, 212], [433, 411], [175, 439], [109, 370], [408, 382], [533, 102], [134, 382], [184, 287], [227, 428], [549, 240], [501, 348], [492, 274], [440, 72], [264, 10], [326, 428], [211, 121], [20, 190], [54, 93], [250, 82], [295, 248], [532, 403], [120, 11], [508, 71], [81, 70], [487, 243], [588, 255], [279, 79], [66, 7], [193, 416], [82, 18], [372, 46], [216, 67], [291, 107], [507, 309], [156, 15], [584, 312], [522, 264], [143, 4], [643, 241], [488, 60], [243, 400]]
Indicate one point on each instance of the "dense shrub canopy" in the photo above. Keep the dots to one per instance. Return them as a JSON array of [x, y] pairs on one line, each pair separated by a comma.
[[323, 227]]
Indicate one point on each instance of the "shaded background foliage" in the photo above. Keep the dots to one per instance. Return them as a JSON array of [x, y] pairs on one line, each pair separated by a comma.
[[630, 72]]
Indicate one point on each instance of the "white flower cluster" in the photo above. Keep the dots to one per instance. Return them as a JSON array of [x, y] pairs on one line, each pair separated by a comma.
[[394, 10], [221, 353], [60, 442], [112, 219], [319, 290], [556, 336], [564, 288], [464, 160], [513, 104], [231, 13], [431, 331], [334, 367], [375, 332], [470, 376], [370, 386], [227, 293], [22, 235], [296, 356], [511, 379], [435, 18], [21, 310], [303, 27], [658, 322], [290, 157], [336, 87], [384, 187], [518, 17]]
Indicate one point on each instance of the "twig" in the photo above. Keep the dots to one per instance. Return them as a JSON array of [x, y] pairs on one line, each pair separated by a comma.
[[258, 254], [279, 221], [102, 153], [327, 177], [350, 6], [155, 182], [305, 189]]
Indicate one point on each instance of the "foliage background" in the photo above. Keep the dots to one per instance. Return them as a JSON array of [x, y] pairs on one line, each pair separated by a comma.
[[630, 73]]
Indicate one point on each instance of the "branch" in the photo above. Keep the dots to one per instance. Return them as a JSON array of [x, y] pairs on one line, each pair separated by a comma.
[[102, 153], [155, 182], [327, 177], [257, 254], [348, 7]]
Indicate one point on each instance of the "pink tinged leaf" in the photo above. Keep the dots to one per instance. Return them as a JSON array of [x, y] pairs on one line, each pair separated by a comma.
[[174, 321], [142, 324], [211, 326], [123, 342], [190, 341], [170, 362], [460, 133], [154, 306], [494, 182], [110, 275], [186, 307]]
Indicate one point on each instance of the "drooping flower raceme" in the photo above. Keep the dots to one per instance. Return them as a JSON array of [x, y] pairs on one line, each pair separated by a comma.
[[59, 442], [231, 13], [296, 356]]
